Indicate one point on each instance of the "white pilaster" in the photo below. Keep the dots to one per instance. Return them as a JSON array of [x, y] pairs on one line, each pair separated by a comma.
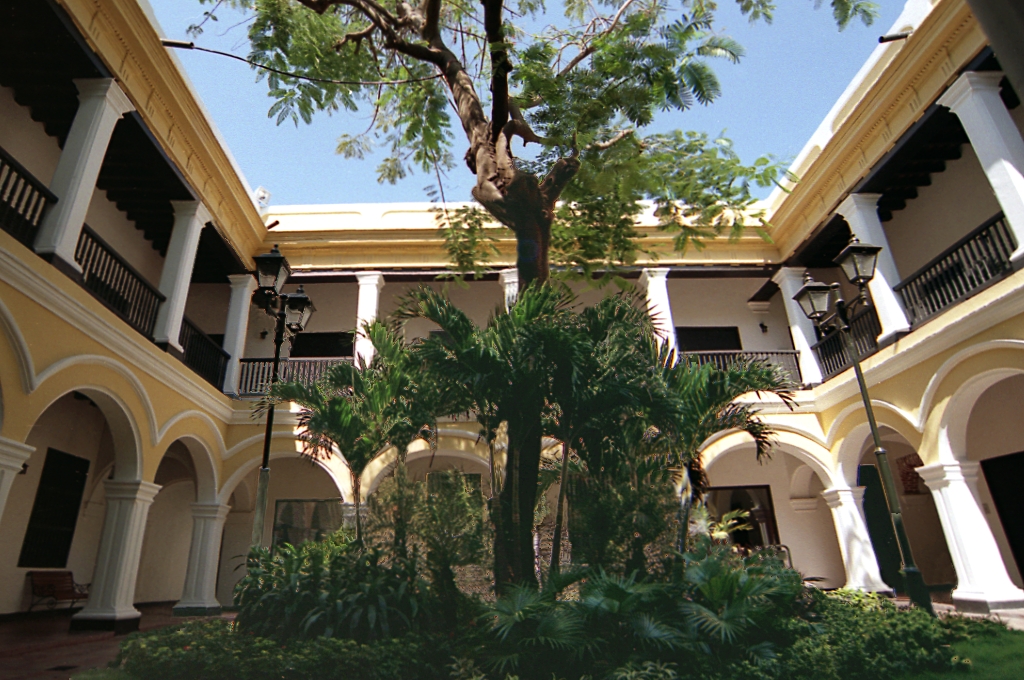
[[974, 98], [101, 103], [242, 288], [370, 284], [117, 559], [854, 541], [12, 457], [189, 219], [655, 281], [790, 280], [508, 279], [199, 597], [982, 581], [861, 213]]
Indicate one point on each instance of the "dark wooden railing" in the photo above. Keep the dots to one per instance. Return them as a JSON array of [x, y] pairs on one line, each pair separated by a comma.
[[116, 284], [254, 376], [980, 257], [202, 354], [831, 354], [23, 200], [787, 360]]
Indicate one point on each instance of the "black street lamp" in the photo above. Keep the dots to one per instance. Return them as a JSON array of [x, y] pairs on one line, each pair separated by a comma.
[[816, 300], [291, 313]]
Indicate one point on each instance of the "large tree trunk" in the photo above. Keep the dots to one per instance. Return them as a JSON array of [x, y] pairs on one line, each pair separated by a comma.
[[514, 559]]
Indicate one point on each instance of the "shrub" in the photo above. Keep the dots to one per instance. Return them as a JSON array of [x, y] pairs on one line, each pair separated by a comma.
[[332, 588], [217, 651]]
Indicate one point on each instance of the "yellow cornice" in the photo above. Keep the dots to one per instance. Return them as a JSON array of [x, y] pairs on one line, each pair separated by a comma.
[[921, 69], [121, 34]]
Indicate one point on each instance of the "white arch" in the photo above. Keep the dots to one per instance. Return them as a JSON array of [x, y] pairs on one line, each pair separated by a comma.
[[957, 412], [338, 476], [20, 347], [374, 481], [950, 364], [123, 429], [174, 420], [803, 449], [205, 468], [137, 387]]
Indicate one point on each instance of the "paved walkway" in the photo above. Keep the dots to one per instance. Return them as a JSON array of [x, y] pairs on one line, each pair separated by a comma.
[[41, 647]]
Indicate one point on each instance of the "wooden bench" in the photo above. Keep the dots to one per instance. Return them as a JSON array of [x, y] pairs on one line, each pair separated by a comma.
[[55, 586]]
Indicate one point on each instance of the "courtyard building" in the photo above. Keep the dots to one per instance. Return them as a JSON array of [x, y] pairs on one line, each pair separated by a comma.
[[131, 356]]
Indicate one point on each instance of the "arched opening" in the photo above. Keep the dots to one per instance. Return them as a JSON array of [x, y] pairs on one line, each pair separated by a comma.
[[54, 516], [920, 518], [291, 478], [995, 439], [185, 476], [783, 495]]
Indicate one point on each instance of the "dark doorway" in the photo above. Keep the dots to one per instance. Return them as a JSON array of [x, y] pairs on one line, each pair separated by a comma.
[[1004, 475], [756, 500], [51, 526], [708, 338], [879, 521]]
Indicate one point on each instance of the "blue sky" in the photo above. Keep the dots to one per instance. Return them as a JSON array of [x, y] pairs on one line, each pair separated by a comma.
[[771, 102]]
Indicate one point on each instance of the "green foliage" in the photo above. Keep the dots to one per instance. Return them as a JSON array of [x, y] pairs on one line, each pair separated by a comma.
[[329, 589], [581, 75], [215, 651]]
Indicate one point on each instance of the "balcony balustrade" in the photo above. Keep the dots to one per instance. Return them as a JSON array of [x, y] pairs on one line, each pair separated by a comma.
[[830, 353], [23, 200], [978, 258], [254, 376], [116, 284], [202, 353], [787, 360]]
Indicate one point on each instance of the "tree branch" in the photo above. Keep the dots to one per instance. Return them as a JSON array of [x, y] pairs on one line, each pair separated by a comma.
[[609, 143], [559, 177], [589, 49], [500, 66]]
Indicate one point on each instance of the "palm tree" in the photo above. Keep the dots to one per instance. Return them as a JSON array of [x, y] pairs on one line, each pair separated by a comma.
[[361, 413], [502, 373]]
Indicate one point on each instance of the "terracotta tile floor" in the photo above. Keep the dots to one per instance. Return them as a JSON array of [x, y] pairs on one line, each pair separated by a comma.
[[41, 647]]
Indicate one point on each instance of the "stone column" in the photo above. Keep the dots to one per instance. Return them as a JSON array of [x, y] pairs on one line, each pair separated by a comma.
[[658, 305], [199, 597], [508, 279], [982, 581], [12, 458], [101, 103], [790, 280], [854, 540], [974, 98], [861, 213], [189, 219], [370, 284], [237, 328], [117, 561]]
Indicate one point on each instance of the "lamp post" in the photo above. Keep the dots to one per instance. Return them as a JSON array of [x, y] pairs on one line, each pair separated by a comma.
[[857, 261], [291, 313]]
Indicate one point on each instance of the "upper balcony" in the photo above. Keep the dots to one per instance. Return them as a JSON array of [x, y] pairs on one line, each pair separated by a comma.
[[85, 183]]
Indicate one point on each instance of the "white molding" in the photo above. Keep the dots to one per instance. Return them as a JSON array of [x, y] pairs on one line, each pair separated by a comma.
[[809, 504], [131, 346]]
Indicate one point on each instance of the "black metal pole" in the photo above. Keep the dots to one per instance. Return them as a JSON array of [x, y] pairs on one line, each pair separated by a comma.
[[264, 479], [916, 588]]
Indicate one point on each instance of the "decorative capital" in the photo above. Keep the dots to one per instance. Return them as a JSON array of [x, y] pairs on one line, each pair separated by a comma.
[[104, 88], [789, 275], [120, 490], [370, 279], [859, 204], [655, 274], [968, 85]]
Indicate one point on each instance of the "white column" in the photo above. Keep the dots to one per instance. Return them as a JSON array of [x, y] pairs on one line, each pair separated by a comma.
[[508, 279], [12, 458], [117, 560], [861, 213], [790, 280], [189, 219], [974, 98], [199, 597], [854, 540], [982, 581], [658, 306], [101, 103], [370, 284], [242, 287]]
